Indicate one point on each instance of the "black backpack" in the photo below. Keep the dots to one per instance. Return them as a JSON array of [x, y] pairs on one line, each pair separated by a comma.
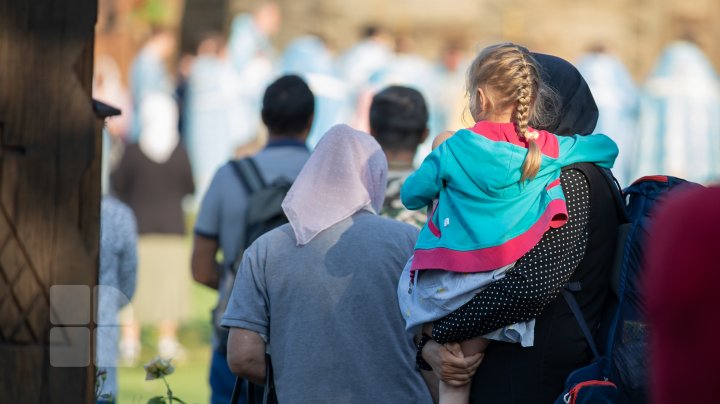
[[264, 213]]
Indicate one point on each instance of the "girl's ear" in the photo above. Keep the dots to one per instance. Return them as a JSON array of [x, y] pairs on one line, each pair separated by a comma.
[[481, 98], [481, 105]]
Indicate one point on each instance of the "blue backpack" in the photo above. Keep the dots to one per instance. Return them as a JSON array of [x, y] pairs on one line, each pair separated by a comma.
[[619, 372]]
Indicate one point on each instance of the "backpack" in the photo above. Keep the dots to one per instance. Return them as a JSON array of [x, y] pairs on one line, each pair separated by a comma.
[[264, 213], [619, 372]]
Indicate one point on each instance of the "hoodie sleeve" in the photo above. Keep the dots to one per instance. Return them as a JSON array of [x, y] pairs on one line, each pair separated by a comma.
[[598, 149], [422, 186]]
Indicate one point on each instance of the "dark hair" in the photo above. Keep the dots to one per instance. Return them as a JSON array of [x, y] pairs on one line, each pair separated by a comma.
[[398, 118], [288, 106]]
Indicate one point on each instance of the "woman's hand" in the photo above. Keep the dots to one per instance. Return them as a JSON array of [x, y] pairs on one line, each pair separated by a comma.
[[449, 364]]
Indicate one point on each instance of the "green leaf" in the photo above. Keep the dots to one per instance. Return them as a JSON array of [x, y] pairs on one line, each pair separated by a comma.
[[157, 400], [178, 400]]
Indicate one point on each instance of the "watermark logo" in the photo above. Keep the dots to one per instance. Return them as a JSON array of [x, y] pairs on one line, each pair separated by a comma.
[[72, 307]]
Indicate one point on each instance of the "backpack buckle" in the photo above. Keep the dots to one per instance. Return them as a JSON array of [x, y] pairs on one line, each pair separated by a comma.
[[573, 286]]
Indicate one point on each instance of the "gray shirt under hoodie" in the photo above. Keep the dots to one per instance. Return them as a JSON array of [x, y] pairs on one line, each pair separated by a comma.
[[329, 310]]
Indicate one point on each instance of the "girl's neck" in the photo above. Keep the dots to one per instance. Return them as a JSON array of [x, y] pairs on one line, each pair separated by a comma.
[[500, 117]]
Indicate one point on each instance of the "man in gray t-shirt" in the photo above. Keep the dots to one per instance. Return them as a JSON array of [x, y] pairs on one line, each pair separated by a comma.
[[329, 313], [288, 107]]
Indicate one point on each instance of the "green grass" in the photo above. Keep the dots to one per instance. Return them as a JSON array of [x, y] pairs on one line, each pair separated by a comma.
[[190, 379]]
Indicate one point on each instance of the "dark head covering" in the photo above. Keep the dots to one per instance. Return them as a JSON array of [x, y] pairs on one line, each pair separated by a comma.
[[578, 113]]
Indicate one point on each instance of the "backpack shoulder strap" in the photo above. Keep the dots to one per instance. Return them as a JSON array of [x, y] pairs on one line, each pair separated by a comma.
[[249, 175], [617, 193], [612, 183], [566, 293]]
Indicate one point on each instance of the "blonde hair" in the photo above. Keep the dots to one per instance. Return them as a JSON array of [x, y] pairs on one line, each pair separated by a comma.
[[510, 78]]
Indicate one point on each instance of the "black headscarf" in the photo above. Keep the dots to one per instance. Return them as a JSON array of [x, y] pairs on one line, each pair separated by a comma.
[[578, 113]]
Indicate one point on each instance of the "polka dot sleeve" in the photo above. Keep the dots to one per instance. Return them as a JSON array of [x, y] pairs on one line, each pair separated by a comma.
[[536, 279]]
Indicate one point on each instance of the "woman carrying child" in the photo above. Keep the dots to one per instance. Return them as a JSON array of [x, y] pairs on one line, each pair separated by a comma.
[[497, 186]]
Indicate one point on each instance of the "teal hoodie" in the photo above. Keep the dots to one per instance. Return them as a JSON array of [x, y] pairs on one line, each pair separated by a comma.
[[485, 218]]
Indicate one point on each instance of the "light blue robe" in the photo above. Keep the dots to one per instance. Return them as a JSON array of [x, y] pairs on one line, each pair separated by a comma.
[[308, 57], [358, 64], [252, 58], [148, 74], [680, 117], [246, 42], [212, 102], [616, 96]]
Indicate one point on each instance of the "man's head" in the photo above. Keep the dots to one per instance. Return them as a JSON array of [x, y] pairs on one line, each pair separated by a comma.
[[398, 120], [288, 107]]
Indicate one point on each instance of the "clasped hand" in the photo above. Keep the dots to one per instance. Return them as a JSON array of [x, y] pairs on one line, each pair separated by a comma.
[[449, 364]]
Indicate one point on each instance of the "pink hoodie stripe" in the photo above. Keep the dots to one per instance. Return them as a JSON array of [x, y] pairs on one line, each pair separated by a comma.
[[491, 258]]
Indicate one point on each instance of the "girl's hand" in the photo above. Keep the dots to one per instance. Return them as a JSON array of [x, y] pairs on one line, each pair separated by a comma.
[[453, 367]]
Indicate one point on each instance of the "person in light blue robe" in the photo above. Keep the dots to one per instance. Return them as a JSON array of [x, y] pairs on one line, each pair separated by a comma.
[[253, 61], [409, 69], [149, 74], [249, 39], [308, 57], [447, 100], [616, 96], [212, 102], [360, 62], [680, 117]]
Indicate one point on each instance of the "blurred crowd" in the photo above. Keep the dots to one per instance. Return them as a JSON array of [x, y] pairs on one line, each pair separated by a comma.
[[218, 91]]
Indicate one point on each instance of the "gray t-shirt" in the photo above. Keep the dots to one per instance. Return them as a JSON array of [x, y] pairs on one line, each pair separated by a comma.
[[222, 212], [330, 312]]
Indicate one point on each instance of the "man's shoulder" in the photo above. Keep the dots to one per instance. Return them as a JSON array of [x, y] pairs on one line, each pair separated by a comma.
[[282, 233], [283, 161], [225, 192], [281, 154], [384, 225], [224, 175], [225, 169], [393, 207], [276, 242]]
